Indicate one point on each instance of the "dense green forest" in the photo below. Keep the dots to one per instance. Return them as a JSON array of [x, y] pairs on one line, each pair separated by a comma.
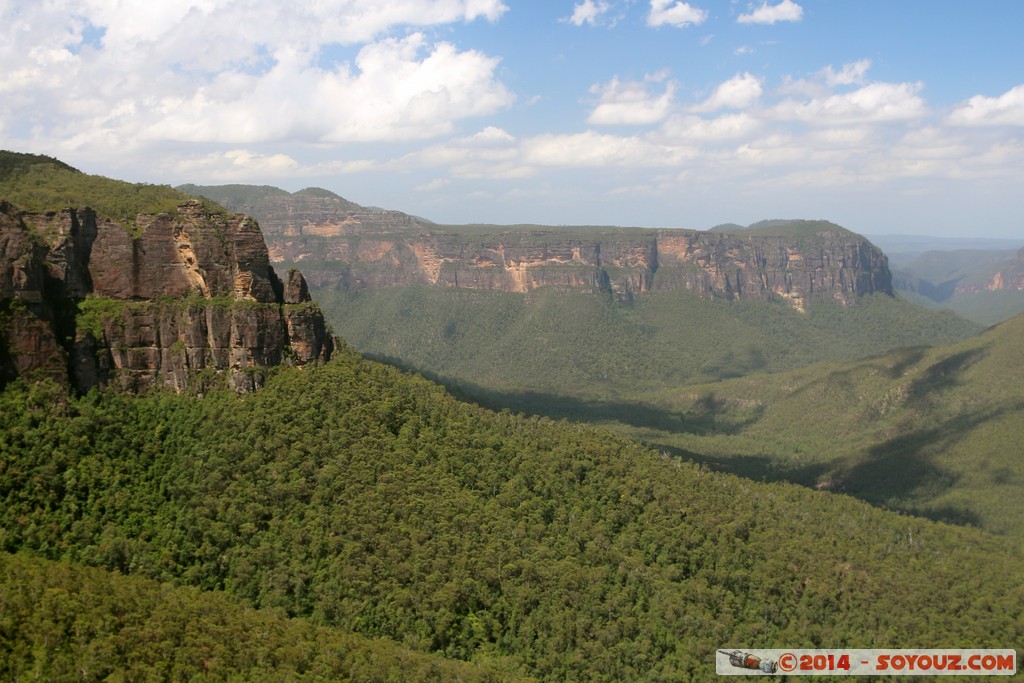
[[531, 350], [705, 379], [370, 501], [932, 431], [63, 622]]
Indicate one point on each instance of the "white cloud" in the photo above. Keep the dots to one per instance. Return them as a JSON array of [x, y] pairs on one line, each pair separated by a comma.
[[490, 136], [676, 14], [851, 74], [696, 129], [435, 184], [874, 103], [596, 150], [739, 92], [787, 10], [629, 103], [233, 166], [239, 73], [1005, 110], [399, 89], [588, 12]]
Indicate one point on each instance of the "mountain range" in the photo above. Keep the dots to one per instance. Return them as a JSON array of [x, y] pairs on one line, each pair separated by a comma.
[[342, 518]]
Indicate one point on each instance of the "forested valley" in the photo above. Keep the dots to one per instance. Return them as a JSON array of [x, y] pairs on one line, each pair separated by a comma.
[[364, 500]]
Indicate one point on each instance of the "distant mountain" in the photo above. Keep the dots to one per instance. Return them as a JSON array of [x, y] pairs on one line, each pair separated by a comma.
[[107, 283], [305, 215], [727, 227], [350, 520], [903, 249], [983, 285], [340, 244]]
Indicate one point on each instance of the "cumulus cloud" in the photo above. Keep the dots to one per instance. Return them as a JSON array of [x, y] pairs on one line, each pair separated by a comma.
[[88, 74], [1005, 110], [676, 14], [588, 12], [739, 92], [595, 150], [397, 89], [851, 74], [490, 136], [234, 166], [435, 184], [696, 129], [873, 103], [629, 103], [787, 10]]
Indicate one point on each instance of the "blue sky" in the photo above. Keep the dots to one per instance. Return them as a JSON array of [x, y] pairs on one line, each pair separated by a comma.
[[886, 117]]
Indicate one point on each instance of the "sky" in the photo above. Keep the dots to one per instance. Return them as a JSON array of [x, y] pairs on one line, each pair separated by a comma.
[[887, 117]]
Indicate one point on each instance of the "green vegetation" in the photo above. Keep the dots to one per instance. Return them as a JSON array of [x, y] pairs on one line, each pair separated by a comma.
[[233, 195], [654, 372], [14, 163], [932, 431], [64, 622], [262, 200], [577, 346], [987, 308], [795, 228], [39, 184], [95, 312], [959, 280], [318, 192], [365, 500]]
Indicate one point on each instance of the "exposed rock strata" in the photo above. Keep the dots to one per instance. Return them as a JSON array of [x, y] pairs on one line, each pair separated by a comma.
[[820, 268], [340, 244], [1010, 277], [188, 295]]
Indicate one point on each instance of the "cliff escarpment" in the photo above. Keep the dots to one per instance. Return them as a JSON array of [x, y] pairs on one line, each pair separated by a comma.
[[181, 299], [1010, 276], [340, 244], [826, 265]]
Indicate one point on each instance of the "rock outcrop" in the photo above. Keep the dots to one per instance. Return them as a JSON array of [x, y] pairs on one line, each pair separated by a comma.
[[180, 300], [1009, 277], [823, 266], [340, 244]]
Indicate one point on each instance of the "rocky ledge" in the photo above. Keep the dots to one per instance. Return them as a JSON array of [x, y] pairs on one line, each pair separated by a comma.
[[183, 300]]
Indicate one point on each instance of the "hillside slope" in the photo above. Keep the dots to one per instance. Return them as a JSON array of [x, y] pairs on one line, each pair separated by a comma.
[[63, 622], [982, 285], [934, 431], [548, 351], [370, 501]]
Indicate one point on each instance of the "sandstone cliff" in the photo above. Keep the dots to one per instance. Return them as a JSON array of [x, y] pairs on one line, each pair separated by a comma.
[[822, 266], [1010, 276], [181, 299], [340, 244]]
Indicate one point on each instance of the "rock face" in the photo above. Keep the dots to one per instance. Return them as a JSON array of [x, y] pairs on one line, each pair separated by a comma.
[[823, 266], [340, 244], [186, 299], [819, 266], [1009, 277]]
